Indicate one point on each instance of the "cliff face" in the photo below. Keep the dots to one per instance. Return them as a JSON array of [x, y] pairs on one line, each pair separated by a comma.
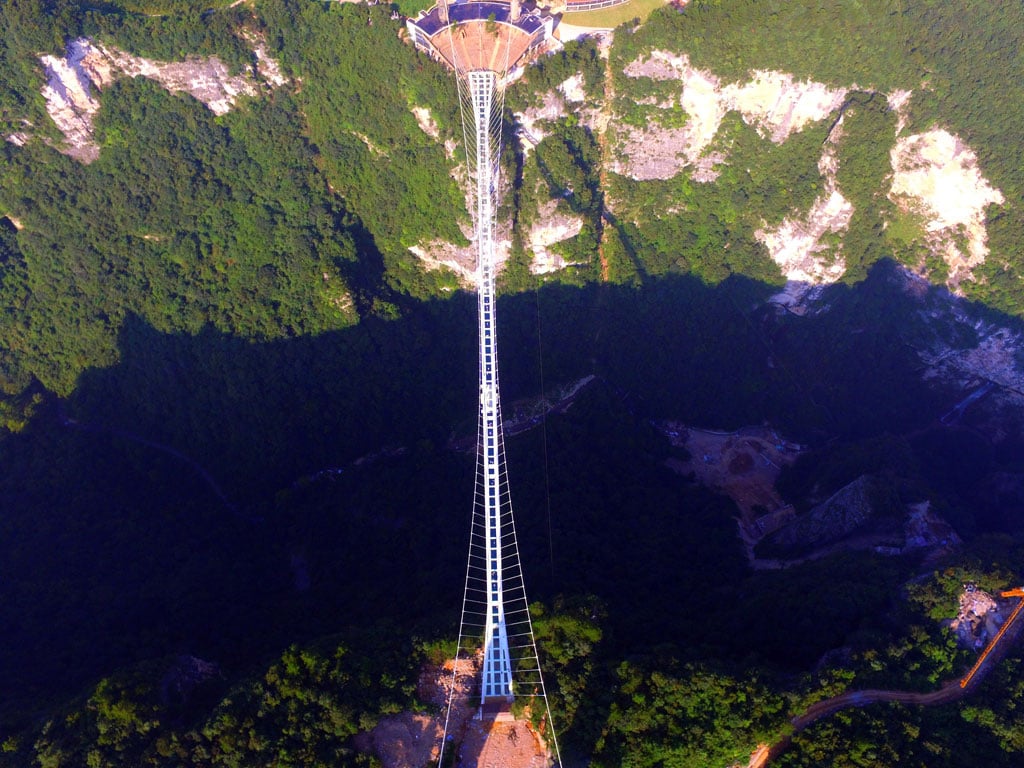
[[934, 176], [74, 82]]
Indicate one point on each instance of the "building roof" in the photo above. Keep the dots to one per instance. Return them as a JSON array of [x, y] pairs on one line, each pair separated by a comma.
[[430, 22]]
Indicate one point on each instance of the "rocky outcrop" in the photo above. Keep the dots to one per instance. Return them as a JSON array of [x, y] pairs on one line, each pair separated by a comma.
[[867, 499], [775, 103], [70, 102], [796, 244], [977, 618], [936, 176], [88, 67], [550, 228]]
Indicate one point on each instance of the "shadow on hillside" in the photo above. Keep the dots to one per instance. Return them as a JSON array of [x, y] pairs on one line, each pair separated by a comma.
[[115, 547]]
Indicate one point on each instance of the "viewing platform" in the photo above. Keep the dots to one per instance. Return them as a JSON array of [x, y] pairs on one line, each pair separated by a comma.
[[480, 35]]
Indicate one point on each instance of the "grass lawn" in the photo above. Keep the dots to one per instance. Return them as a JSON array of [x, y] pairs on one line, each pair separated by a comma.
[[609, 18], [412, 7]]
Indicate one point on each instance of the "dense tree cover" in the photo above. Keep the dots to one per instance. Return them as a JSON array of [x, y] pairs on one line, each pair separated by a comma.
[[576, 58], [301, 711], [183, 221], [864, 166], [236, 223], [30, 27], [688, 716], [174, 33], [359, 83]]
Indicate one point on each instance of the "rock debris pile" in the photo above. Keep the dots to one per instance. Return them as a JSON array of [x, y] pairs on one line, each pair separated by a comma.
[[977, 619]]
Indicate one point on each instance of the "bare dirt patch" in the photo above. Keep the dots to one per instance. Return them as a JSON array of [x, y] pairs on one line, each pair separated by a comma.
[[413, 740], [426, 122], [502, 743], [743, 465]]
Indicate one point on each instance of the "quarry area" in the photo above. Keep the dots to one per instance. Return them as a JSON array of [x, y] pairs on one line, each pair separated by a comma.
[[744, 465]]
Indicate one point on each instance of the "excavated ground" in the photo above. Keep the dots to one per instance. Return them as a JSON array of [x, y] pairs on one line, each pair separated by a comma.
[[412, 740]]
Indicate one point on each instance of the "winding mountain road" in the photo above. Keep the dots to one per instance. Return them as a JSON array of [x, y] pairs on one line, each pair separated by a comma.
[[950, 691]]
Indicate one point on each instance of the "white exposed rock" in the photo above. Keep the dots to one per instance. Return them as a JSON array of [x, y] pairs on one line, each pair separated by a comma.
[[70, 80], [651, 153], [440, 254], [69, 101], [426, 122], [898, 101], [936, 175], [795, 243], [207, 80], [572, 89], [267, 66], [551, 227], [552, 107], [18, 138], [705, 167], [977, 618], [778, 106], [461, 259], [773, 102]]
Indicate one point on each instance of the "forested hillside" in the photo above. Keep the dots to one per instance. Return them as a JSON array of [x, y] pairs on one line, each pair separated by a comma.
[[234, 496]]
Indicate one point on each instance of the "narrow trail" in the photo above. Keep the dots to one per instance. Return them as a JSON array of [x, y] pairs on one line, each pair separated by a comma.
[[950, 691]]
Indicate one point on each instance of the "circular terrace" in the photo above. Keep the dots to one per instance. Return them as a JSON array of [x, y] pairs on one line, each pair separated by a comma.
[[479, 35]]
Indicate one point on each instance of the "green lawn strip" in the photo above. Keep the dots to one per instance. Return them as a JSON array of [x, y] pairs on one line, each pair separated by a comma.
[[609, 18]]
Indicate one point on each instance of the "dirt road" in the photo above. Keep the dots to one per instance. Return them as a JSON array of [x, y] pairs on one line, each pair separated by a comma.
[[949, 692]]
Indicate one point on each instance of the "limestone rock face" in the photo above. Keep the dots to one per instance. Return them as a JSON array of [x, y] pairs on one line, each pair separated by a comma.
[[88, 67]]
